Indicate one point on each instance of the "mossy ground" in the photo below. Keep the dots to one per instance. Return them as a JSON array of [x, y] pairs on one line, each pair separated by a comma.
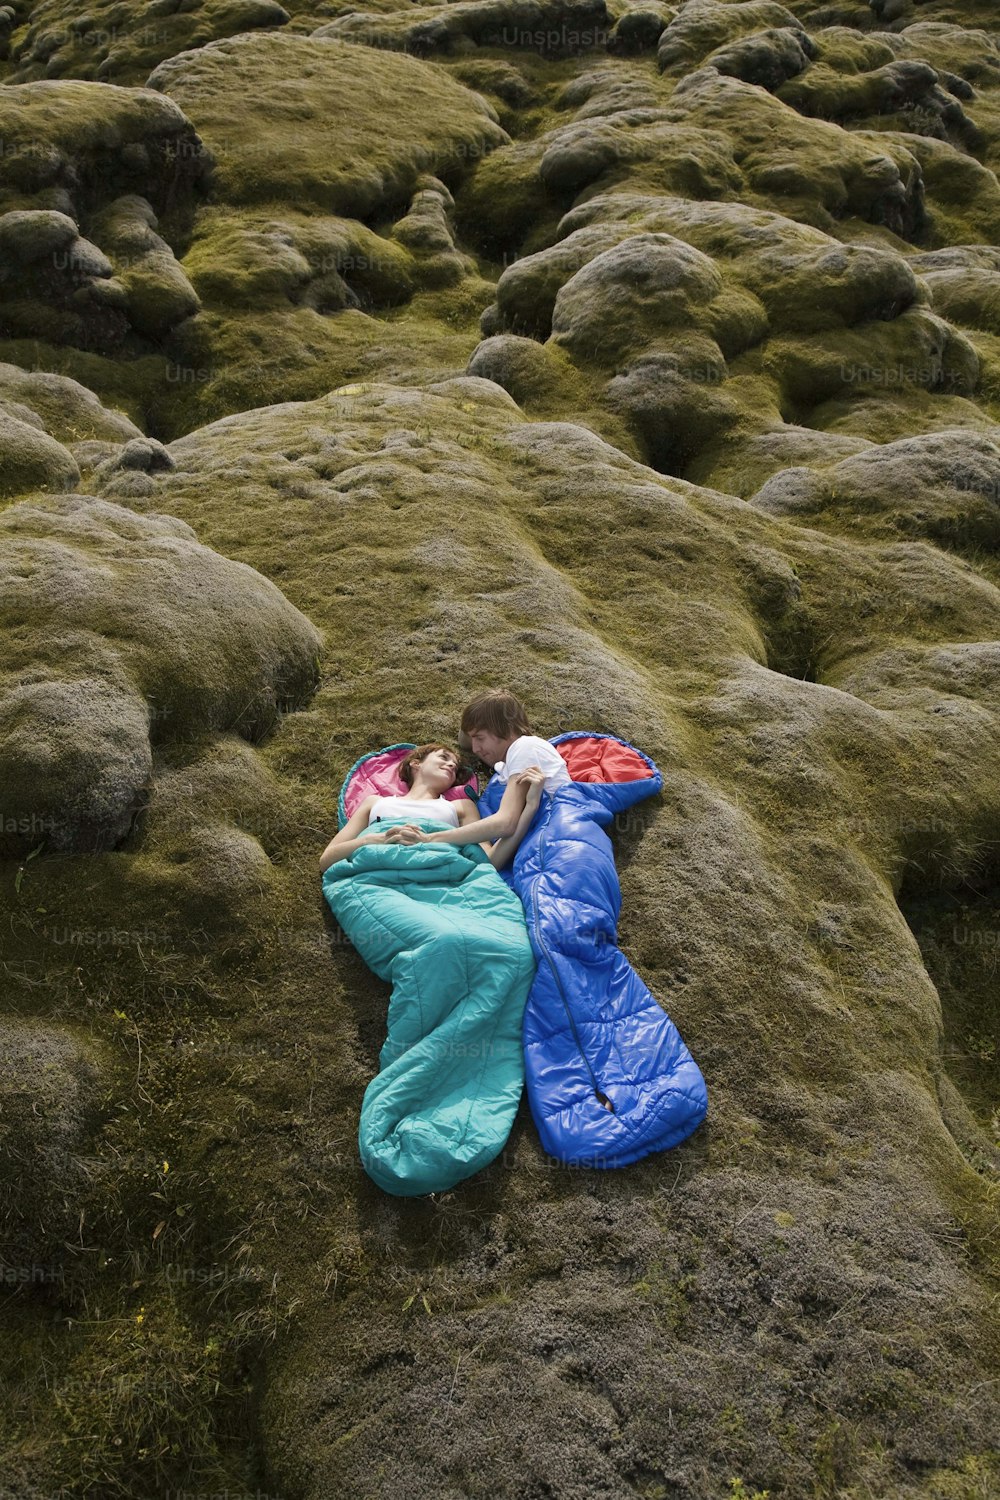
[[259, 1028], [799, 1300]]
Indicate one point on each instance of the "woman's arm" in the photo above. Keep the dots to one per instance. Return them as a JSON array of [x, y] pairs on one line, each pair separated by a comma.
[[344, 843], [346, 840]]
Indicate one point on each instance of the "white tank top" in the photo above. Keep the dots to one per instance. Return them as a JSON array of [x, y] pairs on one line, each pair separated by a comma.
[[427, 807]]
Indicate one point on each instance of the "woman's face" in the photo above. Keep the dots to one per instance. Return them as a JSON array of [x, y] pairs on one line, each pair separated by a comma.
[[441, 765]]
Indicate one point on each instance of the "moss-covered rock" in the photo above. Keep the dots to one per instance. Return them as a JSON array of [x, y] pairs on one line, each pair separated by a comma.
[[766, 58], [158, 293], [498, 77], [968, 53], [69, 411], [118, 43], [58, 286], [556, 28], [639, 27], [667, 395], [257, 262], [319, 134], [943, 486], [698, 30], [122, 629], [696, 369], [29, 458], [525, 369], [628, 591], [83, 144], [425, 231], [962, 194], [806, 169], [906, 87], [50, 1081], [639, 289], [144, 454]]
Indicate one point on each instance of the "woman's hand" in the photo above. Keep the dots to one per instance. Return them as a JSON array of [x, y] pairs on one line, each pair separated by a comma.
[[534, 779], [406, 833]]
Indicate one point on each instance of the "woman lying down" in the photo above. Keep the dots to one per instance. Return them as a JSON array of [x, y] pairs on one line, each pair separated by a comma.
[[413, 881], [429, 771]]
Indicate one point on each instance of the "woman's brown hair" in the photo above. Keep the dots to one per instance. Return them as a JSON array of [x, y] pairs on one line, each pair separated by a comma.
[[462, 771]]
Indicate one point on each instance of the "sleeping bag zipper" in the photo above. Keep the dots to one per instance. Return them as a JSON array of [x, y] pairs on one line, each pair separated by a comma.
[[601, 1097]]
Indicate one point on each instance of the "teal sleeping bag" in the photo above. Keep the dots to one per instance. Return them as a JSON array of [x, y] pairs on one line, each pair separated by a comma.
[[438, 923]]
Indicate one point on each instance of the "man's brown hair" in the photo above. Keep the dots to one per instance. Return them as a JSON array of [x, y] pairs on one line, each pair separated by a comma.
[[462, 771], [498, 712]]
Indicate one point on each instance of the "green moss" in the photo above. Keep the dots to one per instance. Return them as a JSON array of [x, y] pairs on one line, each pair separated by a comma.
[[59, 42], [801, 1295], [31, 460], [257, 261], [131, 388], [137, 1398], [975, 1477], [372, 157], [666, 1292], [94, 141]]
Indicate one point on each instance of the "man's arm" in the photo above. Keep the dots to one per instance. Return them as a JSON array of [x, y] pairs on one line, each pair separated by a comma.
[[504, 849], [500, 824]]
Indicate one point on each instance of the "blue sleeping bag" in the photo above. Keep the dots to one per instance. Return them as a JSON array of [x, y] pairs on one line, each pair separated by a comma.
[[609, 1078]]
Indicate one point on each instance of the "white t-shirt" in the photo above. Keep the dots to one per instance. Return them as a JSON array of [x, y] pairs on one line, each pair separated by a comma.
[[531, 750]]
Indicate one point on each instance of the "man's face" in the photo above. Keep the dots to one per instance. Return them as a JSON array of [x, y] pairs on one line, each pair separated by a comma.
[[487, 746]]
